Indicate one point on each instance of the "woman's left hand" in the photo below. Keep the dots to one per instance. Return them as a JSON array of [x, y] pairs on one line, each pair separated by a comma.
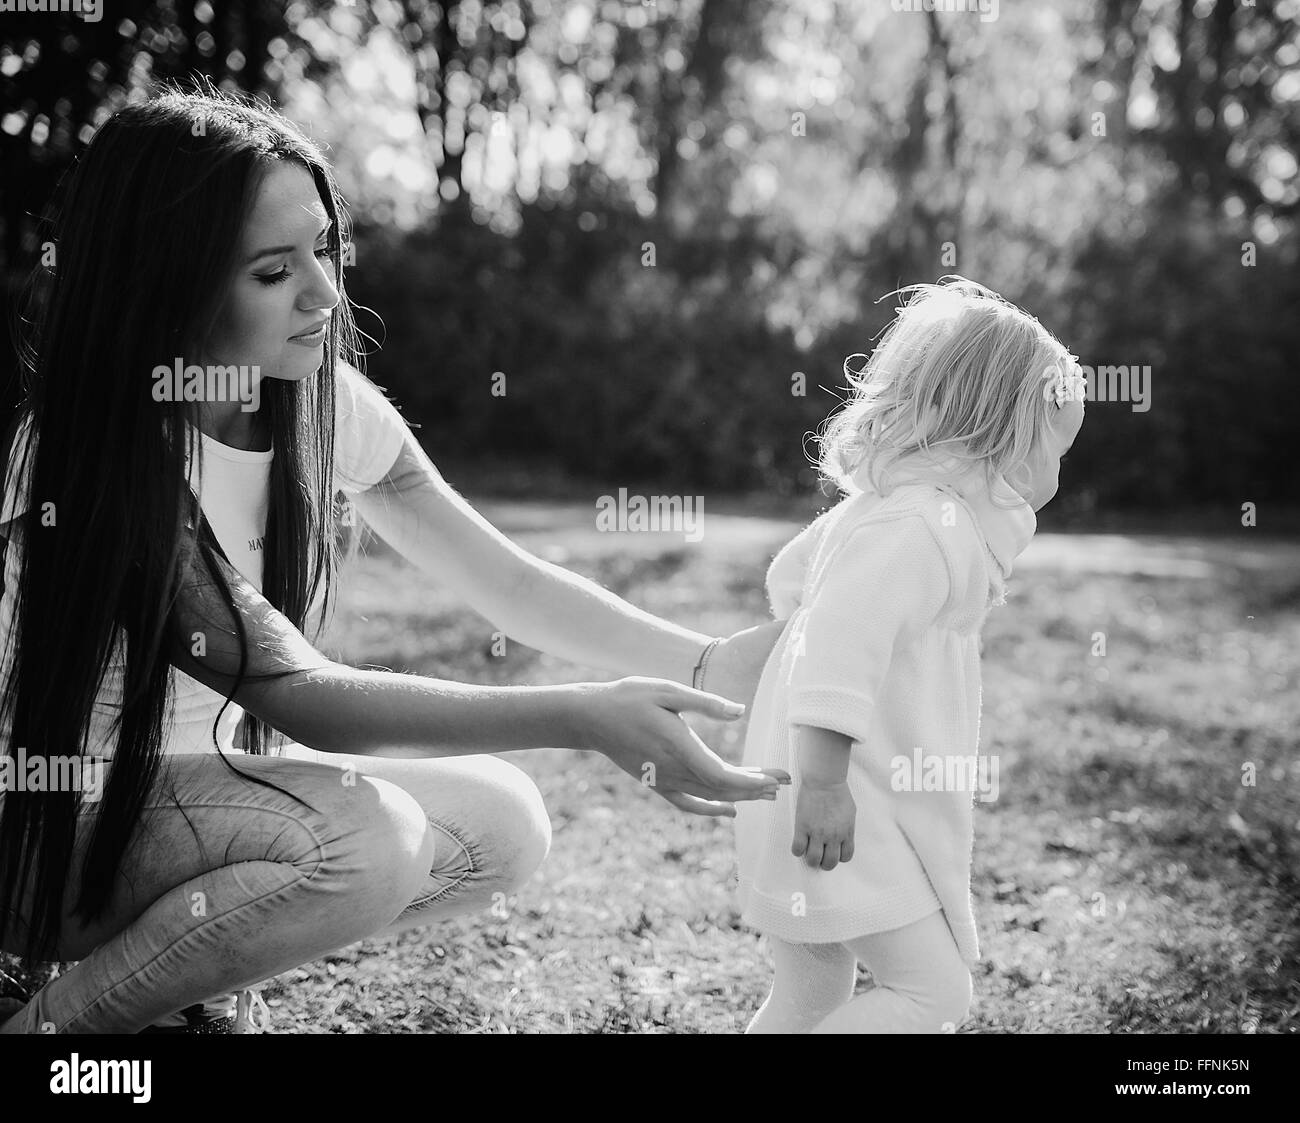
[[737, 662]]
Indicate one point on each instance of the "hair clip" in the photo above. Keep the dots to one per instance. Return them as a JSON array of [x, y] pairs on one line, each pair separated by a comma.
[[1064, 381]]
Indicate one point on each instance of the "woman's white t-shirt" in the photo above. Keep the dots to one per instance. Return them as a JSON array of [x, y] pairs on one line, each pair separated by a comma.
[[232, 487]]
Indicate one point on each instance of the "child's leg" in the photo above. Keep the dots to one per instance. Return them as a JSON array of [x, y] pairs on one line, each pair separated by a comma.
[[811, 980], [921, 983]]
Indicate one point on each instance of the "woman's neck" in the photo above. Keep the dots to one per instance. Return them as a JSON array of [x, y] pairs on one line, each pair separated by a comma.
[[228, 424]]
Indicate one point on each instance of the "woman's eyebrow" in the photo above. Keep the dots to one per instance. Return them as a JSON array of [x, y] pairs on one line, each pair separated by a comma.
[[271, 250]]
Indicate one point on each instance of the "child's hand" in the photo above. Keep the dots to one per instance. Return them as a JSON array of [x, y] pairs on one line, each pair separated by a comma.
[[824, 817]]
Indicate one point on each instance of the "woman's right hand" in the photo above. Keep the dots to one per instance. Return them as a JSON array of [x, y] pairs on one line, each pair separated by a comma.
[[635, 722]]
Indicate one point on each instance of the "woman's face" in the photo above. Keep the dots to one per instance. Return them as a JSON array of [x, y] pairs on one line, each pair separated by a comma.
[[1037, 478], [282, 294]]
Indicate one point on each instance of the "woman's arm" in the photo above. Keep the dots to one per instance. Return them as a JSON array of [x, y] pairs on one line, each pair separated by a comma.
[[334, 708], [535, 602]]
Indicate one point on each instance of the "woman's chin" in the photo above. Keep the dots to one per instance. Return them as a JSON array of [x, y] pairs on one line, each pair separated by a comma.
[[295, 372]]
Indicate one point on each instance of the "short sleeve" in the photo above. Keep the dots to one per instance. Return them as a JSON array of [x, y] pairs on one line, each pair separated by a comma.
[[368, 434], [887, 579]]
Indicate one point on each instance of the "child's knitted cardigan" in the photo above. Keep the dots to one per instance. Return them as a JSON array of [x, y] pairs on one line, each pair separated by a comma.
[[886, 596]]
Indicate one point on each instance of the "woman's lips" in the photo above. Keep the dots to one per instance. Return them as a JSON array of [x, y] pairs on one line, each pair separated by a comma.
[[311, 338]]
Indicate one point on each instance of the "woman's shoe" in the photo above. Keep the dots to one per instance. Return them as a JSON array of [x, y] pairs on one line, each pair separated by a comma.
[[199, 1018], [244, 1012], [212, 1015], [241, 1013], [251, 1013]]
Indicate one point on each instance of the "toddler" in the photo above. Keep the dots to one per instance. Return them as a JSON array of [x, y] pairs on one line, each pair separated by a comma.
[[951, 439]]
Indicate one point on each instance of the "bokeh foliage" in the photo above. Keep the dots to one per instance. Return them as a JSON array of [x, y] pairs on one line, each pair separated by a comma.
[[513, 164]]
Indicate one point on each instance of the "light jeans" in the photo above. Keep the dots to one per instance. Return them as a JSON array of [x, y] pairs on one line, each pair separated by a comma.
[[227, 883]]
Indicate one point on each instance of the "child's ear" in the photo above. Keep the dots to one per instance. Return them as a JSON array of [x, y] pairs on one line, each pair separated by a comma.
[[1066, 421], [1020, 479]]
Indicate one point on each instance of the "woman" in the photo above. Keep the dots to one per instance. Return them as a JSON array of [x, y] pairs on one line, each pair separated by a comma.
[[166, 546]]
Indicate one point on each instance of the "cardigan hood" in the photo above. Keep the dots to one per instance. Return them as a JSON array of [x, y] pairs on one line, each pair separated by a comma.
[[1006, 521]]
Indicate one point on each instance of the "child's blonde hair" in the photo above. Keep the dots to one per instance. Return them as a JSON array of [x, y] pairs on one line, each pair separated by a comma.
[[959, 373]]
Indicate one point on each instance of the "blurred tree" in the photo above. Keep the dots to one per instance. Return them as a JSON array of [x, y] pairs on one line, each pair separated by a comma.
[[61, 76], [658, 220]]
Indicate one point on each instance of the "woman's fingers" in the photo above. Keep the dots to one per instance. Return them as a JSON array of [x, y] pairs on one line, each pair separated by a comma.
[[730, 793], [696, 806], [653, 743], [728, 787], [681, 699], [706, 774]]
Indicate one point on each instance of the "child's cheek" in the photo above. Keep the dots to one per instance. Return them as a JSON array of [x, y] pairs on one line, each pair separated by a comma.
[[1050, 486]]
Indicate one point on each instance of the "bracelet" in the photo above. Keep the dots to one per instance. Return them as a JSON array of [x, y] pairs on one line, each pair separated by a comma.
[[697, 676]]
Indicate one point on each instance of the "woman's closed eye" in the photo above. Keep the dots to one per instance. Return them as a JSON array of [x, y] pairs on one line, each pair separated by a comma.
[[284, 274]]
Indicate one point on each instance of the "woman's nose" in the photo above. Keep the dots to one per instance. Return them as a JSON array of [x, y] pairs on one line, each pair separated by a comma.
[[323, 294]]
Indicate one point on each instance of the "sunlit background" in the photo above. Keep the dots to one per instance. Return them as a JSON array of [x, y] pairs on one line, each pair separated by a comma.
[[652, 217]]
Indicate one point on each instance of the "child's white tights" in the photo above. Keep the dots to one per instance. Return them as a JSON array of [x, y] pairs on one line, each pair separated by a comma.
[[920, 985]]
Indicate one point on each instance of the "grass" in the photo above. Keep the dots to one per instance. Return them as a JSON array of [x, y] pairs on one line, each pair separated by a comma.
[[1137, 873], [1126, 880]]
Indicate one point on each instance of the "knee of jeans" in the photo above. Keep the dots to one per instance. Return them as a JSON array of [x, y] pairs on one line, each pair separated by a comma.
[[388, 850], [517, 825]]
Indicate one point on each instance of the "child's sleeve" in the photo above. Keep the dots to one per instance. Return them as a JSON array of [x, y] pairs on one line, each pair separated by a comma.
[[887, 579]]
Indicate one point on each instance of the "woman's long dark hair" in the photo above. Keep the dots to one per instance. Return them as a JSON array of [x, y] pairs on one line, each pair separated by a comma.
[[145, 232]]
